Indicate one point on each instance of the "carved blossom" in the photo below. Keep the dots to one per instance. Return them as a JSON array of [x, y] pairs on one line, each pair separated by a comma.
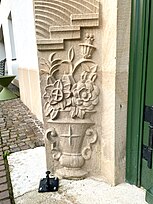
[[57, 96], [85, 97]]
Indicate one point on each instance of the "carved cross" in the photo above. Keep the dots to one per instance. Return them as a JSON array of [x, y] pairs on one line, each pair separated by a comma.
[[70, 135], [57, 93]]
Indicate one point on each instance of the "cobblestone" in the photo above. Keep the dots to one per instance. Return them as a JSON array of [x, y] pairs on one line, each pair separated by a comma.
[[2, 173], [1, 162], [4, 187], [15, 149], [7, 201], [3, 180], [19, 130], [2, 167], [4, 195]]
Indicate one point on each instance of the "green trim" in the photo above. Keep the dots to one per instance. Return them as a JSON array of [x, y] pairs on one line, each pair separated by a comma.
[[137, 73], [149, 196]]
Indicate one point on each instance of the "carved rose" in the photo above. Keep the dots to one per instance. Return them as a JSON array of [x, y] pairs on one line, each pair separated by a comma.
[[85, 97], [57, 97], [54, 92]]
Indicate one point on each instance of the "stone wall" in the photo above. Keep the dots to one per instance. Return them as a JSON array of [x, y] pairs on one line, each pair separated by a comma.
[[83, 51]]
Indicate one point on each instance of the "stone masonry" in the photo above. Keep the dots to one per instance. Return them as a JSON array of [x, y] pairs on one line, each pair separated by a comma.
[[19, 130]]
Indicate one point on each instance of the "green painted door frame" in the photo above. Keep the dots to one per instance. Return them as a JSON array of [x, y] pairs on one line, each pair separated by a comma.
[[137, 78]]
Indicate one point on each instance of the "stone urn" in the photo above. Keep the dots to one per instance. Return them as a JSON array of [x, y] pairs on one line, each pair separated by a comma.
[[67, 136]]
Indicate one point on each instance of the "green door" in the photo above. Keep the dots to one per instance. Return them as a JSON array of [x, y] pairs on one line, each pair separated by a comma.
[[147, 128], [139, 132]]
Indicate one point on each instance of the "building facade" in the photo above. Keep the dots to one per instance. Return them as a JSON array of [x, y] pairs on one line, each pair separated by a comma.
[[71, 61], [18, 46]]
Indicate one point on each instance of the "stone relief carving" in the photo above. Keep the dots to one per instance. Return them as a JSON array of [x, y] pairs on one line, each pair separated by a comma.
[[68, 149], [64, 93], [57, 20], [70, 98]]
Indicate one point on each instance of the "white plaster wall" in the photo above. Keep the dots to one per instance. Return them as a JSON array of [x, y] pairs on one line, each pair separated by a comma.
[[2, 51], [23, 29], [25, 49]]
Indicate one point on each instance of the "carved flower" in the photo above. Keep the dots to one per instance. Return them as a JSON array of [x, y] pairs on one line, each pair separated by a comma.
[[57, 96], [63, 90], [85, 97], [55, 92]]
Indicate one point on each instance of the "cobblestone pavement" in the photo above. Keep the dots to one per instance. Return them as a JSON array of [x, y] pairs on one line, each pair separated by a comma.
[[19, 130]]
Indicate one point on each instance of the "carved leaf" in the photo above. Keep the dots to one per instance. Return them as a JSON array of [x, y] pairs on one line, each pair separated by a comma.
[[63, 104], [45, 65], [87, 103], [42, 61], [71, 54], [44, 71], [95, 102], [66, 86], [96, 90], [85, 67], [54, 68], [54, 114], [84, 76], [50, 58], [56, 61], [90, 108], [93, 77], [68, 102], [76, 111], [80, 114], [50, 80], [83, 113], [58, 84], [47, 108], [94, 68], [73, 112]]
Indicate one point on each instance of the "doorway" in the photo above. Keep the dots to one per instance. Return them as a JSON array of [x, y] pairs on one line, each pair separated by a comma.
[[139, 168]]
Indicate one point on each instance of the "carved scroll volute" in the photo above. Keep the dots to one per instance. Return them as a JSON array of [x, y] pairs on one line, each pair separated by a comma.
[[91, 136], [52, 137]]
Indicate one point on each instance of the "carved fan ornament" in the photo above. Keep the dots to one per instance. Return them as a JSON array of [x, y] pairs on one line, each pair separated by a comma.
[[71, 89], [58, 20], [65, 93]]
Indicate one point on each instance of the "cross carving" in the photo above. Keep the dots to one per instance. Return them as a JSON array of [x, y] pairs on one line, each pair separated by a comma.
[[70, 135]]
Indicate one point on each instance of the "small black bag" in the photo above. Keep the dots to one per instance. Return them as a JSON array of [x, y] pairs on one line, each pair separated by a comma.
[[48, 184]]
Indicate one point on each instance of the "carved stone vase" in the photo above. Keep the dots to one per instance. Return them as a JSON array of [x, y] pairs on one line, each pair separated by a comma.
[[67, 136]]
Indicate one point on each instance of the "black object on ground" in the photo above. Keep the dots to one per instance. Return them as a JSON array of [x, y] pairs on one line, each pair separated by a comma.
[[48, 184]]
